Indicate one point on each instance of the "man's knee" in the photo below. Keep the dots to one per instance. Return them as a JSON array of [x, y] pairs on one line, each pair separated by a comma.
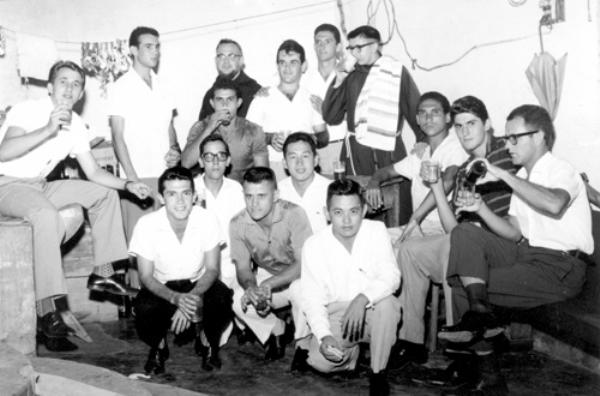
[[387, 309], [46, 217], [464, 231]]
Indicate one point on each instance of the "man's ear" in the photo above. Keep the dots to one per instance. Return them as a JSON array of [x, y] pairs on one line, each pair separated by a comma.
[[327, 216], [447, 118], [276, 195], [161, 199], [212, 103], [364, 210], [239, 103], [50, 87], [304, 66], [488, 124]]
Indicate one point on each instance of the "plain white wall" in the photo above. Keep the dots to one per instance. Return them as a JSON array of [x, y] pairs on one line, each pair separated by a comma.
[[436, 31]]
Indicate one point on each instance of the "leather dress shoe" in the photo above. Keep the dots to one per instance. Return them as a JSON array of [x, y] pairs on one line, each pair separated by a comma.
[[403, 353], [275, 348], [156, 360], [245, 336], [379, 385], [56, 344], [486, 386], [109, 285], [53, 326], [472, 325], [210, 356], [299, 362]]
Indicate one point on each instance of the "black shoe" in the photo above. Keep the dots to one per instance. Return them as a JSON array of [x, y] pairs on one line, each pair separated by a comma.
[[56, 344], [156, 360], [109, 285], [404, 353], [275, 348], [210, 356], [378, 385], [460, 373], [486, 386], [245, 336], [473, 325], [53, 326], [299, 362]]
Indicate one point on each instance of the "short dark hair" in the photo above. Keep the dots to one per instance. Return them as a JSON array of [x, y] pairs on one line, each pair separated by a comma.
[[259, 174], [215, 137], [291, 46], [175, 173], [134, 37], [327, 27], [536, 117], [365, 31], [62, 64], [230, 41], [469, 104], [300, 137], [226, 83], [438, 97], [344, 187]]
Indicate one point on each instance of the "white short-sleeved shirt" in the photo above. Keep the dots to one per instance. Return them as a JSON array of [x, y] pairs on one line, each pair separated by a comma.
[[276, 113], [316, 85], [154, 239], [147, 113], [313, 201], [229, 202], [449, 152], [573, 230], [37, 163], [332, 274]]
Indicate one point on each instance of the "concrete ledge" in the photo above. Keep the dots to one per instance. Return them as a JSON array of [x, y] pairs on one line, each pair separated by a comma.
[[16, 373], [557, 349]]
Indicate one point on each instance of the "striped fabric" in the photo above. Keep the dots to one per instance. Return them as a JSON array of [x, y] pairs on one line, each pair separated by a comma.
[[376, 116]]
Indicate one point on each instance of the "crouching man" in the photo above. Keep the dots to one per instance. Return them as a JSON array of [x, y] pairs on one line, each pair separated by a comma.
[[178, 256], [349, 273]]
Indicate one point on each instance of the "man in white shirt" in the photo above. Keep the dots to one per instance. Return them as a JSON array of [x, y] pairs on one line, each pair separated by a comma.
[[141, 122], [34, 138], [349, 273], [531, 258], [304, 186], [287, 108], [328, 48], [220, 195], [178, 250]]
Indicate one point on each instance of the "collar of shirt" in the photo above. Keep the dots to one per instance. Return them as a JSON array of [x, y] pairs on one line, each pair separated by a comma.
[[546, 158]]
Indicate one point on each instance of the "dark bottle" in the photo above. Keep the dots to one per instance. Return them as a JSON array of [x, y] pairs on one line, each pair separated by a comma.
[[478, 169]]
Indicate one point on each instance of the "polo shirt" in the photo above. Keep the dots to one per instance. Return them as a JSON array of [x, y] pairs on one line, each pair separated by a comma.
[[573, 230], [313, 201], [40, 161], [317, 85], [273, 250], [246, 140], [276, 113], [154, 239], [450, 152], [147, 113], [332, 274]]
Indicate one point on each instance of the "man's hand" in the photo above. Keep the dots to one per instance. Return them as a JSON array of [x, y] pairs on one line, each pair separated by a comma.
[[373, 194], [180, 322], [187, 303], [61, 115], [172, 158], [218, 118], [331, 350], [411, 227], [317, 103], [278, 140], [260, 297], [353, 322], [263, 92], [468, 201], [139, 189]]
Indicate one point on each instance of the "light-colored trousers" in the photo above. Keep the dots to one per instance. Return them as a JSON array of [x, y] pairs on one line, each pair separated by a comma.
[[421, 261], [262, 327], [381, 324], [133, 208], [38, 202], [327, 155]]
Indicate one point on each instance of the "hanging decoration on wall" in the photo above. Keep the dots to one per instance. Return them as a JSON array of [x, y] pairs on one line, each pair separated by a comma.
[[105, 61], [2, 42]]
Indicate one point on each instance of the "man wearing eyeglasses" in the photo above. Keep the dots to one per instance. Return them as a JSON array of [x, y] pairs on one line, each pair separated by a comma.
[[531, 258], [246, 140], [230, 65], [375, 98]]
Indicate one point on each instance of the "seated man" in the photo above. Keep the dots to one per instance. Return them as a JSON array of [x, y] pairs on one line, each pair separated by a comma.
[[177, 250], [304, 186], [531, 258], [246, 140], [268, 234], [220, 195], [422, 260], [349, 273], [36, 135]]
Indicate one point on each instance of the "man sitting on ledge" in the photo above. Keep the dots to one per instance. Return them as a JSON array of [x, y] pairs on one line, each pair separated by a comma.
[[36, 135]]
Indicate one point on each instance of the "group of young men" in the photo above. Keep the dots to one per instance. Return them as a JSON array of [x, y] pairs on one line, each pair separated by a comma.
[[244, 245]]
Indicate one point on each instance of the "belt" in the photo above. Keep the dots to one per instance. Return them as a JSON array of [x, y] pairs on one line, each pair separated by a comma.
[[574, 253]]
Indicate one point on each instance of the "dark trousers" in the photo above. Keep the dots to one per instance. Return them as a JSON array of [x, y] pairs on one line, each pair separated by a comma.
[[517, 275], [153, 314]]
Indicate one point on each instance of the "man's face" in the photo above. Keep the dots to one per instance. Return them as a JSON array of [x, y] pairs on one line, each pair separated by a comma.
[[524, 149], [364, 50], [471, 131], [260, 198], [67, 87], [229, 60], [300, 160], [147, 52], [214, 168], [325, 46], [178, 198], [289, 66], [431, 117], [345, 212], [226, 99]]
